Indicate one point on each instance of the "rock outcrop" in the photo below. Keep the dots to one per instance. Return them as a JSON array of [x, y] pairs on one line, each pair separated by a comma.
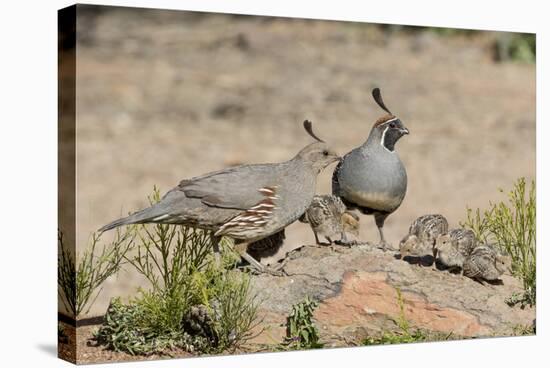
[[357, 291]]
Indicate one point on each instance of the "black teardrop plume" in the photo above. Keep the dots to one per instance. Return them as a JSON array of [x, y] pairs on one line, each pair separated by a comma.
[[309, 129], [378, 98]]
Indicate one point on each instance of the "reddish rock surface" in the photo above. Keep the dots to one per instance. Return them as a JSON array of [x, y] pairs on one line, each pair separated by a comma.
[[357, 290]]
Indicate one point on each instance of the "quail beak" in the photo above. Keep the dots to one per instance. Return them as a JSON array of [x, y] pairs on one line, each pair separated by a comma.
[[335, 157], [404, 131]]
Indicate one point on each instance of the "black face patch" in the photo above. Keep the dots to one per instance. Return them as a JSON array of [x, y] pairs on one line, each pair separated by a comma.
[[390, 137], [391, 133]]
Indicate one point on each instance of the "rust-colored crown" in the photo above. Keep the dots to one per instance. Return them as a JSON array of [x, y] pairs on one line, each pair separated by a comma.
[[383, 120]]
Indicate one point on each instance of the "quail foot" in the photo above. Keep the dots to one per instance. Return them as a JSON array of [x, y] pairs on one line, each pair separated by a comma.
[[454, 247], [422, 235], [246, 203], [371, 178], [267, 247]]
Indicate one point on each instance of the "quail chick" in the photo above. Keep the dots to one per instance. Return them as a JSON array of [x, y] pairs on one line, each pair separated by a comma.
[[371, 178], [328, 218], [422, 235], [351, 224], [454, 247], [246, 203], [486, 263]]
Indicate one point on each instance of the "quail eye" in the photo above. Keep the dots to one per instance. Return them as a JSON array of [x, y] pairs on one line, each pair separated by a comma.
[[392, 125]]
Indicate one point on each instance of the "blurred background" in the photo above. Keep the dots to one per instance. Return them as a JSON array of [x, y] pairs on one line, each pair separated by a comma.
[[167, 95]]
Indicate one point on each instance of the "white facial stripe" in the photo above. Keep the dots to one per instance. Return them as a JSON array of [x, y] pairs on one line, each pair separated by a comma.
[[389, 121], [382, 140]]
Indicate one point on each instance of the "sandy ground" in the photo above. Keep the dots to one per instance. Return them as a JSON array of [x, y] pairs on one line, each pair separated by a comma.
[[165, 96]]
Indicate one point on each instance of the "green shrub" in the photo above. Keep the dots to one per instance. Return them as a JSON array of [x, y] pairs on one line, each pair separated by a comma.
[[523, 330], [507, 46], [123, 330], [520, 47], [511, 225], [301, 331], [194, 303], [78, 282]]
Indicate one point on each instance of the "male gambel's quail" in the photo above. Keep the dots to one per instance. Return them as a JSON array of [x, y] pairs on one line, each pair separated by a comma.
[[246, 202], [453, 248], [371, 178], [328, 217], [422, 235], [486, 263]]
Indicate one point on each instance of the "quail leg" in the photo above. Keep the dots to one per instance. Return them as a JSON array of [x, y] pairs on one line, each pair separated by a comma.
[[379, 218], [480, 280], [242, 247], [318, 242], [455, 270], [344, 240], [330, 243], [434, 264], [216, 248]]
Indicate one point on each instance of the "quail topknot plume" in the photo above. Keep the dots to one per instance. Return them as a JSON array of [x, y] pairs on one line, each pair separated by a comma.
[[454, 247], [328, 217], [486, 263], [422, 235], [372, 178], [246, 202]]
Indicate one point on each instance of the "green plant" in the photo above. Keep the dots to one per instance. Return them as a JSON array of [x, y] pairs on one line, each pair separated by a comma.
[[523, 330], [507, 46], [405, 334], [122, 330], [511, 225], [301, 331], [195, 303], [520, 47], [236, 308], [78, 282]]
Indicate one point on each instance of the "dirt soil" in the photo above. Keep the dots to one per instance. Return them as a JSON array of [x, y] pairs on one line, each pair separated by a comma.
[[163, 96]]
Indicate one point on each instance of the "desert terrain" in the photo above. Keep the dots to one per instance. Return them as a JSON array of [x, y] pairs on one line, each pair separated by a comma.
[[162, 96]]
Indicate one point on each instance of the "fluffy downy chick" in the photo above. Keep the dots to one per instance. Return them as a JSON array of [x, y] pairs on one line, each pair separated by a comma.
[[453, 248], [422, 235], [328, 218], [486, 263], [350, 223]]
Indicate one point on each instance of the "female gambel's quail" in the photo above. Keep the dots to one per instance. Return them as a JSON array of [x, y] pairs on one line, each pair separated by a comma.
[[422, 235], [328, 218], [371, 178], [453, 248], [486, 263], [246, 203]]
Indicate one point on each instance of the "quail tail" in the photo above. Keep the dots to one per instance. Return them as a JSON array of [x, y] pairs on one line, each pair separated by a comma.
[[146, 215]]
